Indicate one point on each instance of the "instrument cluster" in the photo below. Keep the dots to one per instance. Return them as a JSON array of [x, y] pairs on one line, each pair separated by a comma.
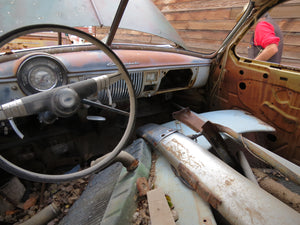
[[40, 72]]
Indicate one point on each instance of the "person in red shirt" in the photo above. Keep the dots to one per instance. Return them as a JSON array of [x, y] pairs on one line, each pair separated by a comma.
[[267, 41]]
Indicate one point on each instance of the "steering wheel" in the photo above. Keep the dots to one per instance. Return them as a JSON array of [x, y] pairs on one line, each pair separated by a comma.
[[64, 101]]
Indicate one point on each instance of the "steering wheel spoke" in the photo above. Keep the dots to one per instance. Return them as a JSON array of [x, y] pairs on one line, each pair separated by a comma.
[[104, 81], [105, 107]]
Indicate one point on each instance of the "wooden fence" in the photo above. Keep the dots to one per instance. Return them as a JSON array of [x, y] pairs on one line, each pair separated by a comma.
[[203, 25]]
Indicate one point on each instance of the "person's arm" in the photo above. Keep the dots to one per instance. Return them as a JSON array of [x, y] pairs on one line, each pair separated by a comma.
[[268, 52]]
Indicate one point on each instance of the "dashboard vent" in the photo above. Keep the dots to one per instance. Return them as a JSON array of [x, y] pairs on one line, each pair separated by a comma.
[[119, 89]]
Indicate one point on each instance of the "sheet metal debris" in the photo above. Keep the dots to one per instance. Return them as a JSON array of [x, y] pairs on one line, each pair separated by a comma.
[[226, 189], [193, 121]]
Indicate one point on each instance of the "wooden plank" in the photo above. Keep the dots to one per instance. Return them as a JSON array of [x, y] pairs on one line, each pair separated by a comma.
[[235, 12], [207, 45], [291, 39], [129, 38], [160, 213], [166, 2], [289, 25], [291, 52], [159, 40], [217, 14], [132, 32], [198, 5], [290, 62], [291, 2], [217, 35], [289, 11], [204, 25], [141, 39]]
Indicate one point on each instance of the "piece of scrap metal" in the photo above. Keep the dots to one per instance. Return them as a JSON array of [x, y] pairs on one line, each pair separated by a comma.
[[189, 118], [238, 120], [181, 196], [210, 132], [237, 199]]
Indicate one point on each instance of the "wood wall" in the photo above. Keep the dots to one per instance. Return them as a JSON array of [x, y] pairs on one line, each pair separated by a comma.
[[203, 25]]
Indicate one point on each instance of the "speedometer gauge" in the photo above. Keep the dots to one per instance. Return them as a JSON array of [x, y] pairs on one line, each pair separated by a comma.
[[42, 78], [40, 73]]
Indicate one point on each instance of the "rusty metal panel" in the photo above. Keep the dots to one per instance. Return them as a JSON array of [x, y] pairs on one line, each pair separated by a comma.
[[269, 92], [240, 121], [211, 133], [238, 199], [132, 59]]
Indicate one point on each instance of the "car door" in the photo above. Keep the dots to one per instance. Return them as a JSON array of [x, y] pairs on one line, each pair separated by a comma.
[[270, 91]]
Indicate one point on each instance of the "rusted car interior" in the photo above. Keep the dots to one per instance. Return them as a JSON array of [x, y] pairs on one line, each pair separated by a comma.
[[146, 125]]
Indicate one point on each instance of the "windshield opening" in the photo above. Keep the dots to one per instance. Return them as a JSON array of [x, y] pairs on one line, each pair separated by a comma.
[[280, 30], [203, 25]]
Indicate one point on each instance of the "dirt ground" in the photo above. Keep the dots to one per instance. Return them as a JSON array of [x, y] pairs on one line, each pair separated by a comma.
[[38, 196]]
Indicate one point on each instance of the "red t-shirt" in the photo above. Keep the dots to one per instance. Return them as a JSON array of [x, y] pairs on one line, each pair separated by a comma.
[[265, 35]]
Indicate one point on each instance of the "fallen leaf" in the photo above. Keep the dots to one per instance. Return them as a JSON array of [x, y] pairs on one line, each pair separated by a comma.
[[30, 202], [10, 212]]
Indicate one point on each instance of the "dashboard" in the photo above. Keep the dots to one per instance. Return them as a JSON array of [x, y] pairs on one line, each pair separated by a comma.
[[152, 72]]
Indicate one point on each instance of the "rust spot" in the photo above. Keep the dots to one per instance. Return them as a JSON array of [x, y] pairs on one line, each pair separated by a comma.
[[190, 119], [228, 182], [142, 186], [255, 214], [182, 153], [199, 187], [133, 165], [279, 117]]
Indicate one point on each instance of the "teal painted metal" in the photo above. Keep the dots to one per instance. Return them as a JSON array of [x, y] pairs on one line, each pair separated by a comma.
[[237, 199], [239, 121], [191, 208]]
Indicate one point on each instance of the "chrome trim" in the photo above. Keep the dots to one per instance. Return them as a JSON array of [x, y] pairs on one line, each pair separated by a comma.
[[119, 89]]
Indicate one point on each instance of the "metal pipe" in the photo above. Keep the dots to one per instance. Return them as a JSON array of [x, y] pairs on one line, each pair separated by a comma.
[[59, 38], [44, 216], [287, 168], [278, 190], [234, 196], [246, 167], [125, 158], [116, 21]]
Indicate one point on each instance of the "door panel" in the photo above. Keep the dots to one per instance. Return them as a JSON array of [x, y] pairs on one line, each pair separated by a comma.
[[269, 91]]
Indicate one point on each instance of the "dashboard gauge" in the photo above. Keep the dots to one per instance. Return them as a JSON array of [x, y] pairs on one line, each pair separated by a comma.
[[40, 73]]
